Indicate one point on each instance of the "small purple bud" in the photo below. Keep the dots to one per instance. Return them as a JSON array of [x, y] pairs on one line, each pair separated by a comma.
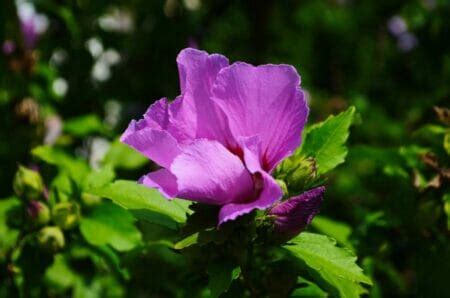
[[397, 25], [292, 216], [33, 209], [8, 47], [407, 41], [38, 213]]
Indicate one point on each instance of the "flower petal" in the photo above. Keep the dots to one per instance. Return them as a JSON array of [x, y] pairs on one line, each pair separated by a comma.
[[265, 101], [196, 115], [271, 192], [251, 150], [293, 215], [207, 172], [198, 70], [183, 120], [158, 145], [157, 115], [163, 180]]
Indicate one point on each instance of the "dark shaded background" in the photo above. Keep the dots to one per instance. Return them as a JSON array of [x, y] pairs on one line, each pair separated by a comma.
[[347, 53]]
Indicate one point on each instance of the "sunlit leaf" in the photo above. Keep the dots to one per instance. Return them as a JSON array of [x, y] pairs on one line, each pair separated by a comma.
[[76, 168], [335, 229], [110, 224], [59, 275], [99, 178], [327, 263], [122, 156], [326, 141], [447, 143], [188, 241], [85, 125], [136, 197]]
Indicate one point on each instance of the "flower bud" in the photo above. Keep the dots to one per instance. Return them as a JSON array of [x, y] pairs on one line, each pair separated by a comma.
[[38, 213], [283, 186], [28, 184], [51, 239], [89, 199], [292, 216], [66, 215], [298, 172]]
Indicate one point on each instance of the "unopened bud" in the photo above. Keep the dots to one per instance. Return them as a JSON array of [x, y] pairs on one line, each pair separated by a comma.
[[38, 213], [28, 184], [51, 239], [300, 172], [66, 215], [89, 199], [283, 186], [293, 215]]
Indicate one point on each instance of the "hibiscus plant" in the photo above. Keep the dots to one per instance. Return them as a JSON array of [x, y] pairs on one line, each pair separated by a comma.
[[237, 177]]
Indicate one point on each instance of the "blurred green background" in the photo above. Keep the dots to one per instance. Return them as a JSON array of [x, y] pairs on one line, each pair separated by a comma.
[[73, 73]]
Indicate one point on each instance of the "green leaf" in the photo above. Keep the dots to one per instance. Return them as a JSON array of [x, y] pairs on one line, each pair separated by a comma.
[[326, 141], [335, 229], [76, 168], [446, 200], [85, 125], [447, 143], [307, 289], [113, 259], [430, 130], [221, 274], [188, 241], [110, 224], [411, 155], [59, 275], [8, 235], [328, 263], [138, 198], [61, 188], [123, 157], [99, 178]]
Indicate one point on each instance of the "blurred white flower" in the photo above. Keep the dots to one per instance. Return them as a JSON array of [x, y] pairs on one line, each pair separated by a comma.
[[53, 129], [101, 71], [110, 57], [94, 46], [113, 109], [58, 57], [192, 4], [25, 9], [98, 147], [60, 87], [118, 20]]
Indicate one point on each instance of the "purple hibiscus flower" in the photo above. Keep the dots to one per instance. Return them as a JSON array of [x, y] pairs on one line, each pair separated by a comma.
[[218, 142]]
